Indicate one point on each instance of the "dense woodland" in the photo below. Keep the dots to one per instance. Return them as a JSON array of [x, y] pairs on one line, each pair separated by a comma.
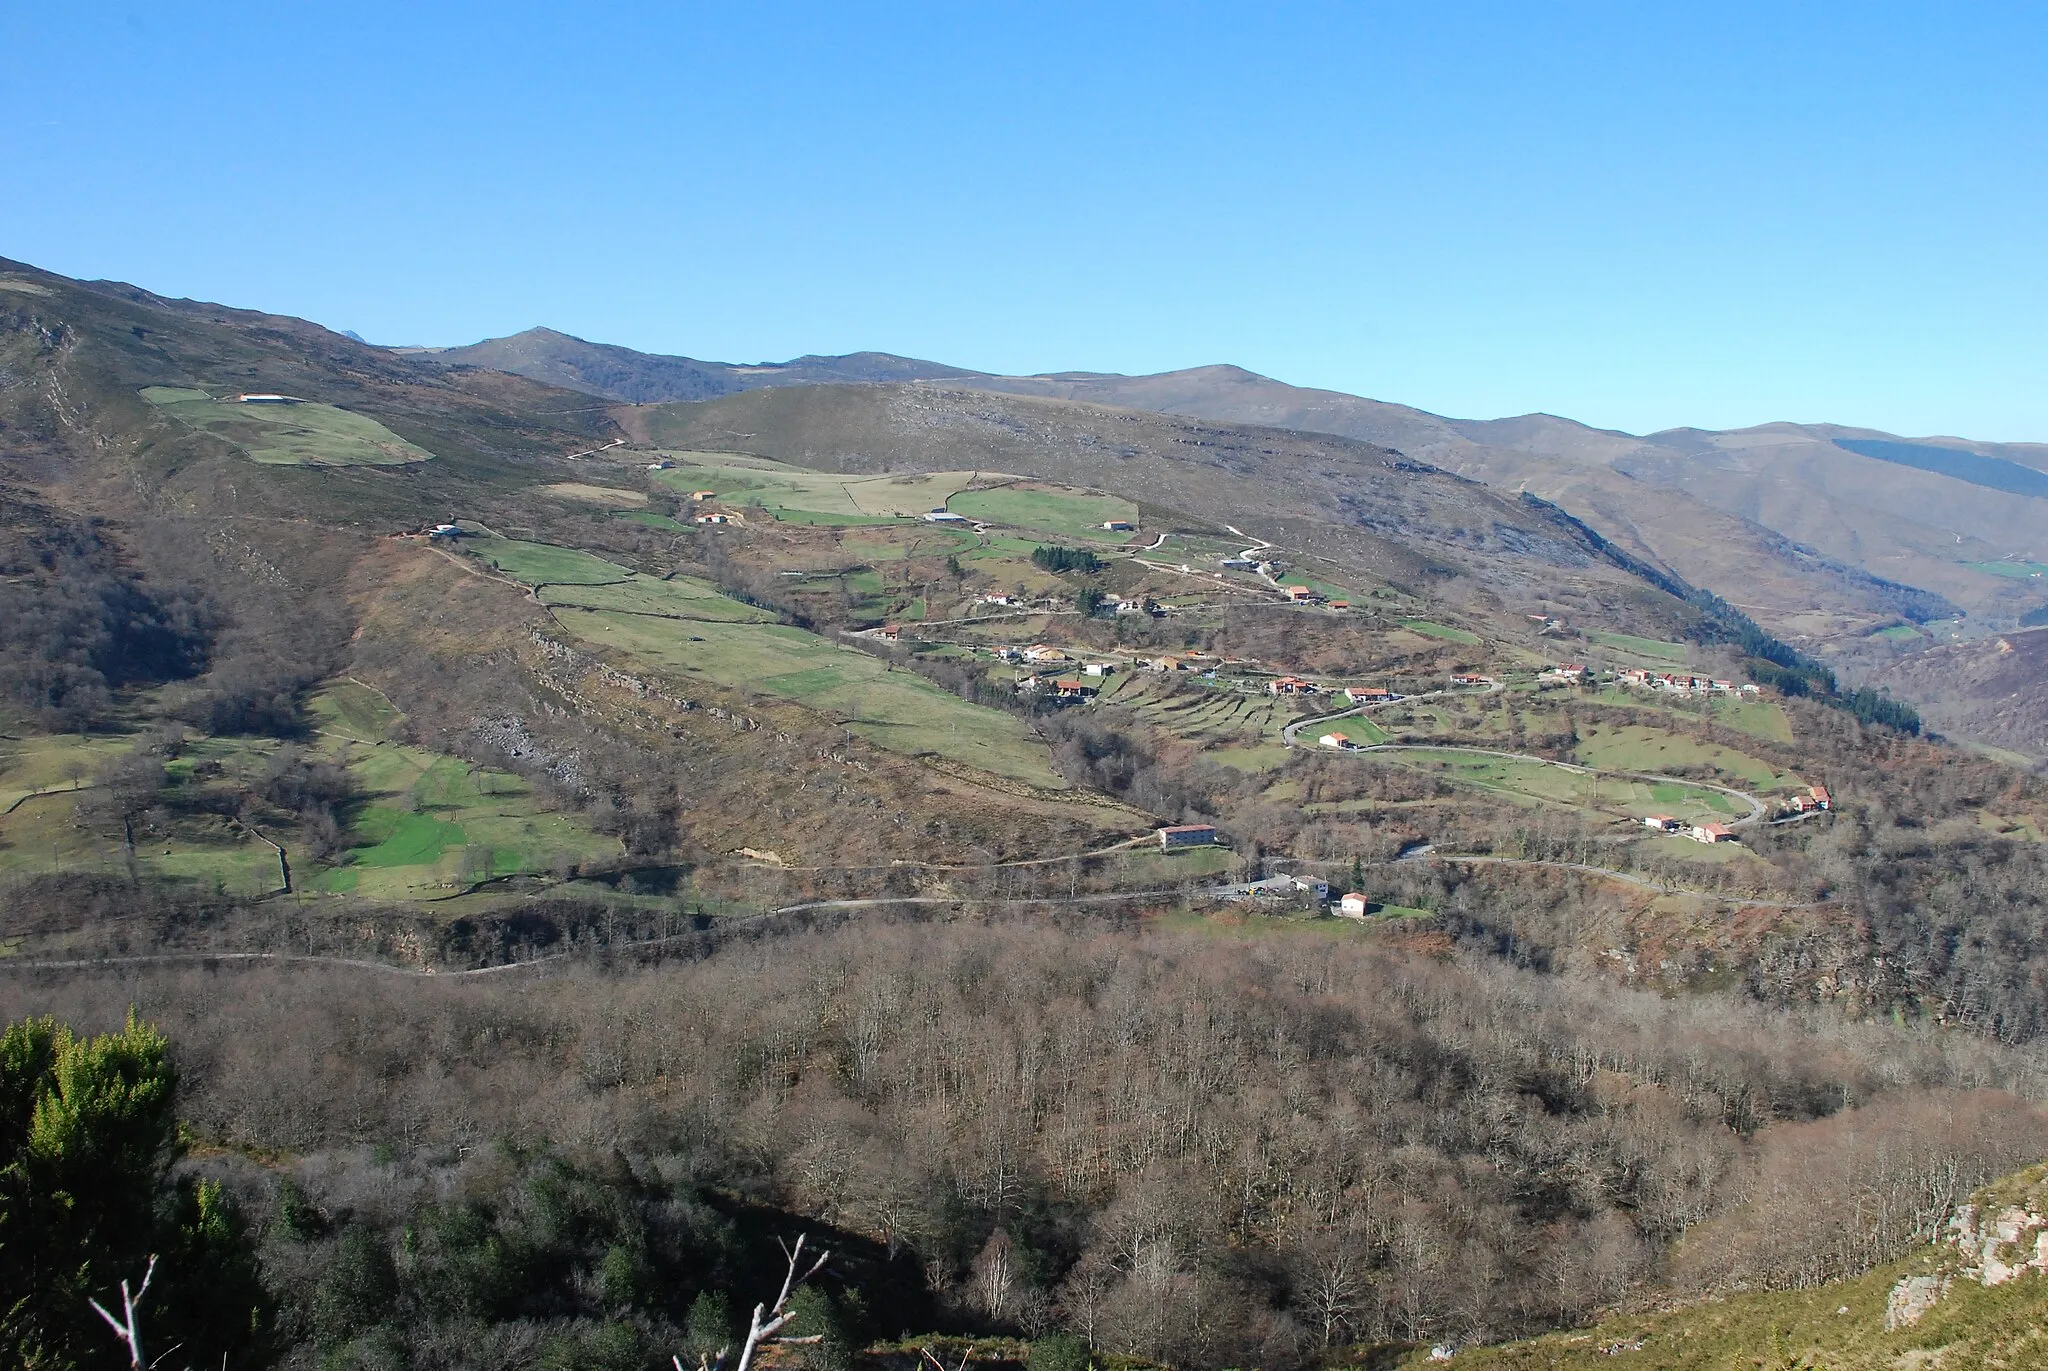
[[1207, 1151]]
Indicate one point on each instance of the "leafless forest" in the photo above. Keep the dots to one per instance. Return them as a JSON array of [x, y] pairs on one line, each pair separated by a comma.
[[1195, 1148]]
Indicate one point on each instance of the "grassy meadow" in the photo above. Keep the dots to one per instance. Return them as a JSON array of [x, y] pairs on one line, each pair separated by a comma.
[[1067, 514], [898, 710], [302, 434]]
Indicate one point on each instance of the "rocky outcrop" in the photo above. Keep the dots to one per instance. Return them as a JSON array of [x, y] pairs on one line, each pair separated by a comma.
[[2000, 1235]]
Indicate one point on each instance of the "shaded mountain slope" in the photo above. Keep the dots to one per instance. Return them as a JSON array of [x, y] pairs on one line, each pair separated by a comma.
[[618, 373]]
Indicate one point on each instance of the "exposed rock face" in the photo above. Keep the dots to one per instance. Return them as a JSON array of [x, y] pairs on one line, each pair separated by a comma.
[[2001, 1234], [1911, 1298]]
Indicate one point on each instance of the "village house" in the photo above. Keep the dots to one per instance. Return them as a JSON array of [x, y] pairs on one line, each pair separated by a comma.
[[1187, 835], [1119, 526], [942, 515], [1337, 740], [1353, 906], [1043, 652], [1290, 685], [713, 519], [1069, 689], [1340, 606], [1098, 668], [700, 496], [1162, 664], [1820, 797], [1663, 823], [999, 599], [1302, 595], [1367, 695], [1711, 833], [889, 632]]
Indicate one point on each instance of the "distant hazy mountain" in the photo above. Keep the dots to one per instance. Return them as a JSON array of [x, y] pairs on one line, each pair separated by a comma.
[[1843, 510], [642, 378]]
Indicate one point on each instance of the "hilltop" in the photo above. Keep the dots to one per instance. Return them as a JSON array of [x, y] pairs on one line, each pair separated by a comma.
[[644, 378]]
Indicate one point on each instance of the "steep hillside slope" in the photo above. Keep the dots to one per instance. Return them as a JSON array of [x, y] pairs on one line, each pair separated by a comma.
[[618, 373]]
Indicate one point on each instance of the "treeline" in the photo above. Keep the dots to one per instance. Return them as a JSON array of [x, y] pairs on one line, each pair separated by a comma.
[[1050, 557], [81, 625], [1788, 671], [1202, 1151]]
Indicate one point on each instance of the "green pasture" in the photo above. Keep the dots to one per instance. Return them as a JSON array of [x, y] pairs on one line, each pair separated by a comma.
[[898, 710], [47, 833], [302, 434], [1045, 511], [1359, 728], [1637, 747], [540, 564], [2012, 571], [431, 824], [907, 495], [902, 542], [1444, 631], [1654, 648], [1322, 588], [680, 597], [1745, 714], [798, 495], [39, 762], [1899, 633], [355, 712]]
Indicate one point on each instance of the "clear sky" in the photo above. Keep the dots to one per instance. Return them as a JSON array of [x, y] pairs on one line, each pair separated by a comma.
[[1638, 215]]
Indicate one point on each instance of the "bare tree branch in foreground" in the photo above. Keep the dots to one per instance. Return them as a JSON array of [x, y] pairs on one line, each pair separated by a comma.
[[768, 1319], [129, 1327]]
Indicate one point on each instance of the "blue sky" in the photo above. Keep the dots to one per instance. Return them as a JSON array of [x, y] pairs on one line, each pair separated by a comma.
[[1636, 215]]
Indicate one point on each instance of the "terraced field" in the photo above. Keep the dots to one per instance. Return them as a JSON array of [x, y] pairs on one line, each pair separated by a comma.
[[299, 434]]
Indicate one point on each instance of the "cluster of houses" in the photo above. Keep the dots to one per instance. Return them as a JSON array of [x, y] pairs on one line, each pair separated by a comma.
[[1815, 799], [1683, 684], [1358, 695], [1066, 688], [1303, 595], [1699, 833]]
